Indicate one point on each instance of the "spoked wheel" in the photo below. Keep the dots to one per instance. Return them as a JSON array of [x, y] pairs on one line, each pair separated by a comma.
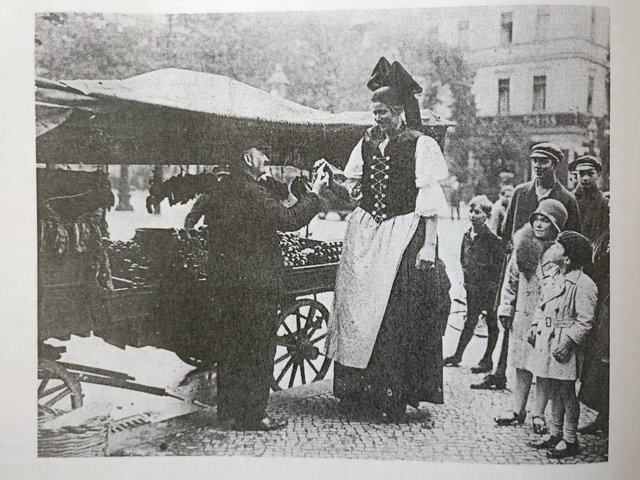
[[59, 390], [302, 330]]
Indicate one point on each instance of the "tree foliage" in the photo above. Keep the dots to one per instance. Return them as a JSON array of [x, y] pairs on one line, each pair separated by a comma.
[[327, 58]]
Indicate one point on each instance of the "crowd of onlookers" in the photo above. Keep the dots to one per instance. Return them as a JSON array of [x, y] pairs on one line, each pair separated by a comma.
[[536, 262]]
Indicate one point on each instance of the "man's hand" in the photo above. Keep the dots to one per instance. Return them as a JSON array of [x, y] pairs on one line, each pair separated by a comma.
[[563, 351], [321, 181], [426, 257], [506, 322]]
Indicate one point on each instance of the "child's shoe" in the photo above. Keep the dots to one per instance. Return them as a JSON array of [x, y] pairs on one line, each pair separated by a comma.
[[563, 449]]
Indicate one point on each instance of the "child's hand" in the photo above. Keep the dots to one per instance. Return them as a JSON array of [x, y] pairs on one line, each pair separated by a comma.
[[563, 351]]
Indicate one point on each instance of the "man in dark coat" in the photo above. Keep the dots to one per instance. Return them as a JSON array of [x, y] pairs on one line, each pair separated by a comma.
[[545, 158], [594, 207], [246, 276]]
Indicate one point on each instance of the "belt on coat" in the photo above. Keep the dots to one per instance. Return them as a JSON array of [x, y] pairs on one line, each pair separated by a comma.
[[560, 322]]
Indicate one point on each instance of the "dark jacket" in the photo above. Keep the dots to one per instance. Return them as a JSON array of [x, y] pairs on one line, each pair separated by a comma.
[[525, 201], [243, 219], [481, 259], [594, 212]]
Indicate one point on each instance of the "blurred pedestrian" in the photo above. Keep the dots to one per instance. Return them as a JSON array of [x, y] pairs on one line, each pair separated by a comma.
[[519, 298], [455, 196], [545, 158], [499, 209], [594, 207], [481, 257], [559, 332]]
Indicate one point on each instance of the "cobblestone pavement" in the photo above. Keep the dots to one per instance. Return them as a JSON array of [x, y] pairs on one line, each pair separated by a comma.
[[461, 430]]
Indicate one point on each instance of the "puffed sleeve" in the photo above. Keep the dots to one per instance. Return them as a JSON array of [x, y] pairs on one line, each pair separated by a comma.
[[430, 169], [353, 171]]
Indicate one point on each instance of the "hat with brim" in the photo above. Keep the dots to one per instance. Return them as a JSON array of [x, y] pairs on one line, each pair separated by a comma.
[[547, 150], [552, 210]]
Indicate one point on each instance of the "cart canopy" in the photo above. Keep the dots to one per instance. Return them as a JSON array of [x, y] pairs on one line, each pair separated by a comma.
[[175, 116]]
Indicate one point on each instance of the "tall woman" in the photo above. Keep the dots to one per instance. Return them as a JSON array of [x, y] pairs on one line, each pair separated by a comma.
[[391, 297]]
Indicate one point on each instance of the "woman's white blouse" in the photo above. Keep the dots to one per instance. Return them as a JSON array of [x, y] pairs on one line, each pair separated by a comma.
[[430, 169]]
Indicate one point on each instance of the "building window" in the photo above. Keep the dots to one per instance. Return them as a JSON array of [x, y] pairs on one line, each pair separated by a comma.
[[590, 95], [503, 97], [433, 34], [542, 23], [506, 27], [593, 24], [539, 93], [463, 34]]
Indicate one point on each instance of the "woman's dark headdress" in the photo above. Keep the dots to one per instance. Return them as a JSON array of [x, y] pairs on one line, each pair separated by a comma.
[[392, 84]]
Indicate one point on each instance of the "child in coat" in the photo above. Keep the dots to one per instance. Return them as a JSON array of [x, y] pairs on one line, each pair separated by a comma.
[[559, 330], [518, 301], [481, 257]]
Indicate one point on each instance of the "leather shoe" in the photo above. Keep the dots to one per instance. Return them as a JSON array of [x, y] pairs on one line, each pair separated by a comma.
[[546, 442], [490, 382], [563, 449], [452, 360], [508, 420], [267, 424], [482, 368]]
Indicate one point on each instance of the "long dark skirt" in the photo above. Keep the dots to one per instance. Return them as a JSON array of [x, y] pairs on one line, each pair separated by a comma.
[[406, 364]]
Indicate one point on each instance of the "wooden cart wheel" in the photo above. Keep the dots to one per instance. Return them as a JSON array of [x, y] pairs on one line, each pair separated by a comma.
[[302, 330], [59, 390]]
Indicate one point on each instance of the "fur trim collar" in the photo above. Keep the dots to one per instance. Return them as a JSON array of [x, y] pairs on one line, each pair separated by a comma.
[[529, 250]]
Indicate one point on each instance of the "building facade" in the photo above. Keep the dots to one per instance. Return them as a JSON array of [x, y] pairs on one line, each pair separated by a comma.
[[545, 65]]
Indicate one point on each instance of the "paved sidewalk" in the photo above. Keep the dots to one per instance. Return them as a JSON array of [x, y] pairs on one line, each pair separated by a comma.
[[461, 430]]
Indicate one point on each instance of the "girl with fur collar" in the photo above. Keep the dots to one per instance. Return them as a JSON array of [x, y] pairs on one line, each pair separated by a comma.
[[519, 299]]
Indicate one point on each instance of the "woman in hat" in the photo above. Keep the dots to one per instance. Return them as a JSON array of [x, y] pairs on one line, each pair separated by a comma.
[[558, 334], [391, 298], [518, 300]]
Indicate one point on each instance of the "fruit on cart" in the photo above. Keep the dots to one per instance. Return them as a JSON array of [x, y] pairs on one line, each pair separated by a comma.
[[298, 251], [185, 256]]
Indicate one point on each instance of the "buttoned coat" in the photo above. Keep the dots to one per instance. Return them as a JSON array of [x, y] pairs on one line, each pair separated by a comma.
[[566, 313], [521, 291]]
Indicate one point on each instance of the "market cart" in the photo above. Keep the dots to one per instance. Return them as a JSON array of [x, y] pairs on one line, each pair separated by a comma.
[[169, 117]]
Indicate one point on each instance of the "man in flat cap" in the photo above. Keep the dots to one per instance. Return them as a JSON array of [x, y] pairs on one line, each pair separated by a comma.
[[594, 207], [545, 158], [246, 275]]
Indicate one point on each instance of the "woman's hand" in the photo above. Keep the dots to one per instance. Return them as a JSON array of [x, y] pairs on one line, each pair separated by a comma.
[[321, 182], [426, 257], [563, 351]]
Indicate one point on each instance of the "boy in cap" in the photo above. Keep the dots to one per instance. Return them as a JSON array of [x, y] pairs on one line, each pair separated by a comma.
[[594, 207], [545, 158]]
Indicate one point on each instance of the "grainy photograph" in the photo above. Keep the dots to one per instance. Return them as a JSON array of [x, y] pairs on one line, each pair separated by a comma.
[[358, 234]]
